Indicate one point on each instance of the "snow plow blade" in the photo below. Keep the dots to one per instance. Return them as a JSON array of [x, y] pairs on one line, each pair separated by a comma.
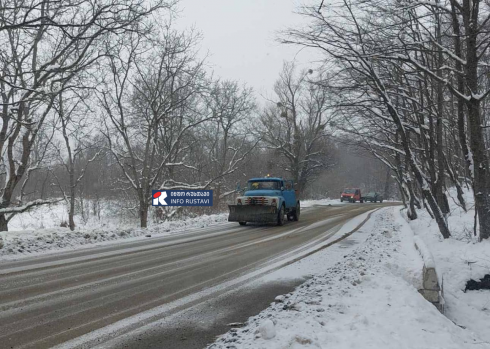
[[252, 213]]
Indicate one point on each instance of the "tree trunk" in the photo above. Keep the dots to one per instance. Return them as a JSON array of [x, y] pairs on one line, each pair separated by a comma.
[[426, 190], [217, 200], [436, 211], [71, 212], [387, 192], [143, 214], [412, 212], [480, 165], [441, 197], [463, 142], [6, 200], [427, 193], [479, 161], [439, 183], [428, 210], [3, 223], [457, 184], [412, 199], [402, 193]]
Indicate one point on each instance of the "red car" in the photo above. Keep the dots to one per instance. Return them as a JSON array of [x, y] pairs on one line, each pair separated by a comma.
[[351, 195]]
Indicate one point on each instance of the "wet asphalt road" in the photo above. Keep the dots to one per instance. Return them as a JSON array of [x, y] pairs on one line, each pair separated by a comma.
[[187, 283]]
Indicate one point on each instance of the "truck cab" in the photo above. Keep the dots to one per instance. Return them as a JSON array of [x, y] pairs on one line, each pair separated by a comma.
[[351, 195], [266, 200]]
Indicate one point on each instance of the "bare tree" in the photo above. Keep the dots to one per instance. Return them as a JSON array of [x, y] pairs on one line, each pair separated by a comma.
[[358, 49], [228, 138], [296, 126], [43, 45], [76, 130], [152, 102]]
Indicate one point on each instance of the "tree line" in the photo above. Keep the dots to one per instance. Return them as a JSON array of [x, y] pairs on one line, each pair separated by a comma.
[[107, 100], [410, 84]]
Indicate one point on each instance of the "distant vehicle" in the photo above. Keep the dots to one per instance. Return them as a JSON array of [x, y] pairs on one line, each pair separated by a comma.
[[351, 195], [266, 200], [373, 197]]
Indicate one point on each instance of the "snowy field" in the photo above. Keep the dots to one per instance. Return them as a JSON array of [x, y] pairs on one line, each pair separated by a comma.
[[365, 298], [38, 231]]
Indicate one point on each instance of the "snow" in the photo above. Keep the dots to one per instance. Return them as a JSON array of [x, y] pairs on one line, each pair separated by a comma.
[[425, 252], [317, 263], [389, 147], [26, 206], [321, 202], [53, 67], [38, 231], [472, 163], [267, 329], [458, 260], [364, 298]]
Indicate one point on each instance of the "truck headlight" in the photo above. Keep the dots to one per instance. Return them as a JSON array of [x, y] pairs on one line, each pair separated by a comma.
[[239, 201], [274, 202]]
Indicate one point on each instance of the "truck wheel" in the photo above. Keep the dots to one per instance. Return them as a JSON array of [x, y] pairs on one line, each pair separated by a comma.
[[381, 201], [296, 212], [280, 216], [361, 201], [242, 223], [341, 200]]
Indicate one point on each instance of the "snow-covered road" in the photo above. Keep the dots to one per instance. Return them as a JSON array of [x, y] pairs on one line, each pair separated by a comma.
[[86, 297]]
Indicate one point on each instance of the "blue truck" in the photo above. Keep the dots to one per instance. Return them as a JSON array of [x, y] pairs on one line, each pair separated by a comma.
[[266, 200]]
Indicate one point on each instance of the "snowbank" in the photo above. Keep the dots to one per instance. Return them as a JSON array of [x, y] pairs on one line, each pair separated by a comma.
[[425, 252], [15, 244], [368, 299], [458, 260], [321, 202]]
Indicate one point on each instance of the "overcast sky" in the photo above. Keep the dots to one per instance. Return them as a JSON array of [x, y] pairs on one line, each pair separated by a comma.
[[240, 37]]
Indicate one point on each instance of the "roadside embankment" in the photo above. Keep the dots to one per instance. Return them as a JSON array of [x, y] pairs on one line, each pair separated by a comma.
[[368, 299]]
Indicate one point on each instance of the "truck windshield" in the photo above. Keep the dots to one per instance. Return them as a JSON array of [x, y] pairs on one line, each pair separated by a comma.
[[267, 185], [349, 191]]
